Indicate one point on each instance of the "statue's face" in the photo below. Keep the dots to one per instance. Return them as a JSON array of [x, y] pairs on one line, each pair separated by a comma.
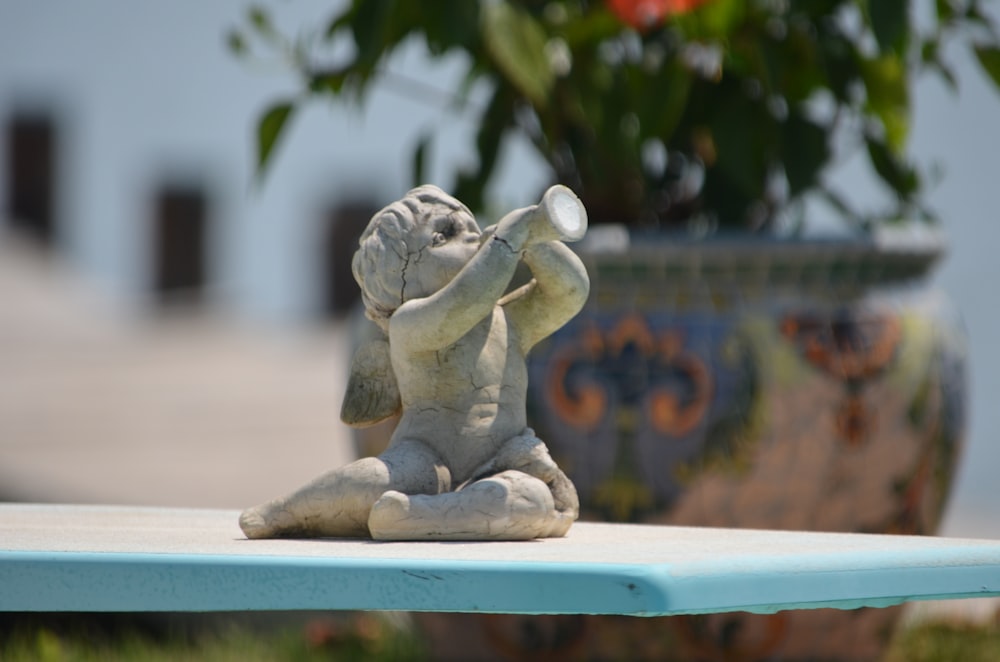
[[438, 249]]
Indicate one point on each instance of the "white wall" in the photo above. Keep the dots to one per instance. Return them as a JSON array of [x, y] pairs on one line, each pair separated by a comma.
[[149, 90]]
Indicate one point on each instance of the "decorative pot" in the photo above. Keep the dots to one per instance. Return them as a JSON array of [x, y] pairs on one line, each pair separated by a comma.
[[759, 383]]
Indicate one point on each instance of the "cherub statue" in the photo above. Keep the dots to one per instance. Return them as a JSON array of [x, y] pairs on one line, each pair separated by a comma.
[[462, 463]]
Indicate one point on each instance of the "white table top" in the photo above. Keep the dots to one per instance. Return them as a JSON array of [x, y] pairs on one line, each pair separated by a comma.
[[107, 558]]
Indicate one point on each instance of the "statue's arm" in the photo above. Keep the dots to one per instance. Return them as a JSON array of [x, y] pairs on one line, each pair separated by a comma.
[[557, 292], [441, 319]]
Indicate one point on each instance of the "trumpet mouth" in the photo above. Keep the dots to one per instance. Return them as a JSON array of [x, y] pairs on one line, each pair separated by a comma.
[[565, 212]]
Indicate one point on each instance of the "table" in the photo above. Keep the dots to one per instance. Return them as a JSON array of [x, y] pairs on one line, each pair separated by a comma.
[[111, 558]]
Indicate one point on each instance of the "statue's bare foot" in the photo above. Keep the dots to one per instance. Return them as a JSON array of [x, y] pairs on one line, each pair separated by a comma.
[[388, 514], [509, 506], [270, 520], [254, 524]]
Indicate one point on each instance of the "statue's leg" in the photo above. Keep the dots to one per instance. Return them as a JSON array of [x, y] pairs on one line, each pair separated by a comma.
[[527, 453], [337, 503], [510, 505]]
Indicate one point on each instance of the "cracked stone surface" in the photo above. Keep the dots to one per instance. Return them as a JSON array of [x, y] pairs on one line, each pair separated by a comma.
[[462, 463]]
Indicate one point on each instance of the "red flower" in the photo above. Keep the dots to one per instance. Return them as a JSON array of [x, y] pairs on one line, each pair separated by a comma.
[[644, 14]]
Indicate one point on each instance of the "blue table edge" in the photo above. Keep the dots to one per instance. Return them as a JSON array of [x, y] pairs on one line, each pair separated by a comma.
[[122, 582]]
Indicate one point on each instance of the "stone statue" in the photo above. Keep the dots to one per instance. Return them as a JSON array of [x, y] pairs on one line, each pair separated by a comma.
[[462, 463]]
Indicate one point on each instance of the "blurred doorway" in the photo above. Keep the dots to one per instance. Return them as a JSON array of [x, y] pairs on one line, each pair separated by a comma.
[[31, 166], [179, 252], [344, 224]]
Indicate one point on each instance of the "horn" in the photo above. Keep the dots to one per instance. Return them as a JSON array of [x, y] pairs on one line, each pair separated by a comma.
[[563, 211]]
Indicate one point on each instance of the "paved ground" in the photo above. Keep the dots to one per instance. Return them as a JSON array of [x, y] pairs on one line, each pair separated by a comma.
[[185, 411]]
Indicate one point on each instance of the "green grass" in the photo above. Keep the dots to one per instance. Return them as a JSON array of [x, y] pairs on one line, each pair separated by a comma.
[[361, 637], [47, 646], [357, 637], [939, 642]]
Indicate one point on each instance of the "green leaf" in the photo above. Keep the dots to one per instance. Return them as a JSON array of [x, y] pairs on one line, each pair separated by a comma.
[[724, 198], [236, 43], [989, 60], [591, 28], [370, 27], [515, 42], [839, 57], [792, 66], [743, 153], [890, 21], [377, 28], [450, 23], [721, 17], [889, 97], [667, 95], [331, 81], [261, 20], [900, 176], [945, 11], [269, 130], [806, 150]]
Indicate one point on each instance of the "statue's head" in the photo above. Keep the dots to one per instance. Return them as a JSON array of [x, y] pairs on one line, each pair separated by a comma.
[[388, 243]]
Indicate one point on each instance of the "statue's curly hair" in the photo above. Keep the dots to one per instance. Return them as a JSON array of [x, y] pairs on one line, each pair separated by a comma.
[[379, 265]]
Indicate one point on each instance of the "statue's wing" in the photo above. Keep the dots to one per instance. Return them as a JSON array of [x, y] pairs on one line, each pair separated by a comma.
[[372, 393]]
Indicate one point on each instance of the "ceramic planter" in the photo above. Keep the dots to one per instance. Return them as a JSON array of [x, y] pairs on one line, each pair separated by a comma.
[[758, 384], [816, 385]]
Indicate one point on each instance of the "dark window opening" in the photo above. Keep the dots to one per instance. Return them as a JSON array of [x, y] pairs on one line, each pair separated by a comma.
[[344, 225], [179, 251], [31, 176]]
